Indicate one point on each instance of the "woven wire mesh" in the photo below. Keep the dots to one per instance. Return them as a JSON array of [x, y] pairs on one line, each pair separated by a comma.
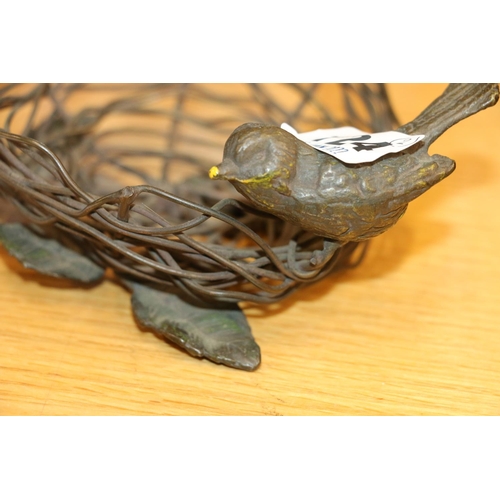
[[120, 173]]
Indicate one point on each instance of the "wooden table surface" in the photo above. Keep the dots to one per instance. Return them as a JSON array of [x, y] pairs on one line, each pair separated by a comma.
[[414, 330]]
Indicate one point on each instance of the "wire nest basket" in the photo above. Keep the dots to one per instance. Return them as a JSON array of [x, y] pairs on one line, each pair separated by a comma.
[[120, 173]]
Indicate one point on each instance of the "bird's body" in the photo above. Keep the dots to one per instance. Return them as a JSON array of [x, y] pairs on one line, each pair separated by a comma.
[[284, 176]]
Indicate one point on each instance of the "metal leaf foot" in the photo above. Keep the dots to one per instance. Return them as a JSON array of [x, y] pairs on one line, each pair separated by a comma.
[[47, 256], [219, 334]]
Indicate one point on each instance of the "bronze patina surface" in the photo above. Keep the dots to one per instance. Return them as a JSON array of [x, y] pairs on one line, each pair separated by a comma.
[[311, 189], [119, 190]]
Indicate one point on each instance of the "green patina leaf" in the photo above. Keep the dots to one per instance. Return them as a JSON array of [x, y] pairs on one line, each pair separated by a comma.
[[47, 256], [219, 334]]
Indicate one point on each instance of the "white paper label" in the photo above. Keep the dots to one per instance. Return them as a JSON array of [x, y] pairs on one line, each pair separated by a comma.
[[351, 145]]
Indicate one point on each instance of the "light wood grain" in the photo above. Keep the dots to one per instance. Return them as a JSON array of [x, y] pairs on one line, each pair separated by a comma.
[[415, 330]]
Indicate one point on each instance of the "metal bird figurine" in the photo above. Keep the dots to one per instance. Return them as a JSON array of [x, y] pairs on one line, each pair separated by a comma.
[[276, 171], [282, 175]]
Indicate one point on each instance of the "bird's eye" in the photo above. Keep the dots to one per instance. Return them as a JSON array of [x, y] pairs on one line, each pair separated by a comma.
[[254, 154], [258, 156]]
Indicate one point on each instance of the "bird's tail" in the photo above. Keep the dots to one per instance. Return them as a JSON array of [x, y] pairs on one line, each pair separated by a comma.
[[457, 102]]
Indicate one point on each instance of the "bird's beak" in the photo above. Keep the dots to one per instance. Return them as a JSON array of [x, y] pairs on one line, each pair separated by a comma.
[[213, 173]]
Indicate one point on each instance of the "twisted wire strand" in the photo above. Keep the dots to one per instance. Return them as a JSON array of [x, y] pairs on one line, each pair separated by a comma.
[[185, 232]]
